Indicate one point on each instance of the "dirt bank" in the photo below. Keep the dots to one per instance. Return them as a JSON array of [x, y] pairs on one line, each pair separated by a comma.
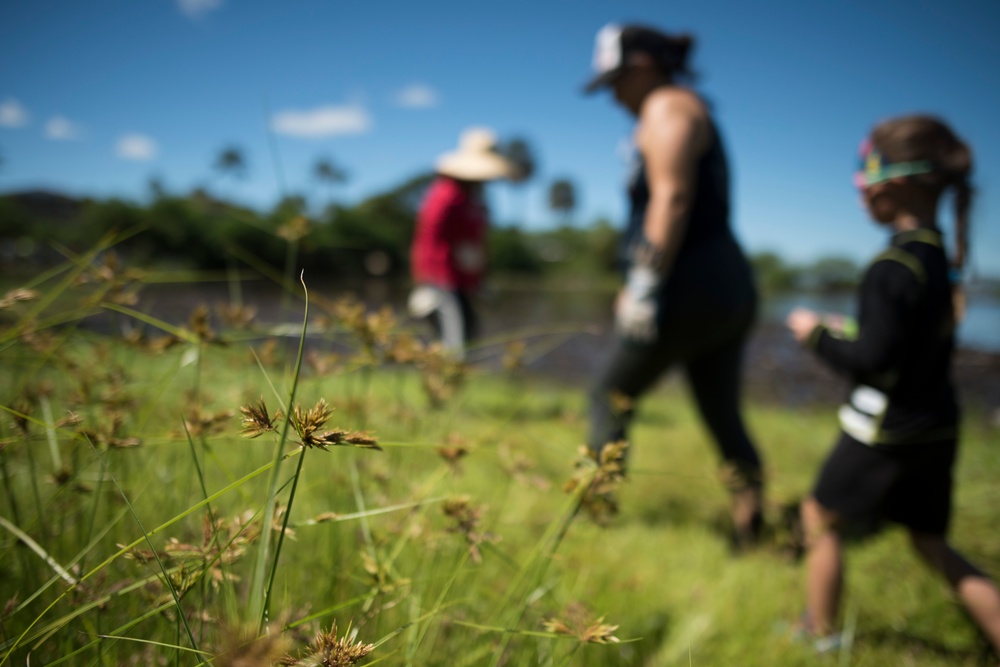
[[777, 369]]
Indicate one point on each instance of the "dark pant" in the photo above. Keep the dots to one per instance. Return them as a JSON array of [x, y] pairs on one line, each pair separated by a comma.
[[467, 322], [710, 349]]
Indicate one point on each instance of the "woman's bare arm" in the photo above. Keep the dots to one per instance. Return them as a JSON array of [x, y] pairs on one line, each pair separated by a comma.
[[673, 134]]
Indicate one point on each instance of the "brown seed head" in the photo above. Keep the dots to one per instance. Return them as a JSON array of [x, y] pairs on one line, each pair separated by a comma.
[[404, 349], [199, 423], [9, 608], [600, 479], [268, 352], [322, 363], [621, 403], [345, 438], [236, 315], [380, 325], [294, 229], [350, 312], [17, 295], [22, 410], [576, 625], [455, 450], [327, 650], [513, 357], [307, 422], [200, 325], [466, 521], [256, 420], [241, 647]]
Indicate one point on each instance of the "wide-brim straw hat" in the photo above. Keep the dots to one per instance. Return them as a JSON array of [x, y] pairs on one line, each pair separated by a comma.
[[476, 158]]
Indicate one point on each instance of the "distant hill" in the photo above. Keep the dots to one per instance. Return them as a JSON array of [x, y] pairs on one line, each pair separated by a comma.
[[45, 204]]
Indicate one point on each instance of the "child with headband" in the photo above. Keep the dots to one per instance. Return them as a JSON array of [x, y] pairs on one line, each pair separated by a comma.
[[899, 435]]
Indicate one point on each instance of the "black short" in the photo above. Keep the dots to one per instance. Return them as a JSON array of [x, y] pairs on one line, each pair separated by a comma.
[[907, 484]]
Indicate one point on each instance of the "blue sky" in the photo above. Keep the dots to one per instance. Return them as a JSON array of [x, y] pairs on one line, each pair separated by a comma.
[[96, 97]]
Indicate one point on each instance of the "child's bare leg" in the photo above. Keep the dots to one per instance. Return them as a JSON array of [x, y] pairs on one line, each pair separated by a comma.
[[977, 592], [824, 566]]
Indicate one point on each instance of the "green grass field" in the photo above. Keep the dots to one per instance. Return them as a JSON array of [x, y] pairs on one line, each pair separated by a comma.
[[133, 505]]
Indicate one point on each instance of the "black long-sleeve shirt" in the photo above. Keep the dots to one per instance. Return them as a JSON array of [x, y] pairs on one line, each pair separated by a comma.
[[900, 362]]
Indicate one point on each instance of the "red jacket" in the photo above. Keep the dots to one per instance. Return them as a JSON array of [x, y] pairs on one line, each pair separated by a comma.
[[449, 245]]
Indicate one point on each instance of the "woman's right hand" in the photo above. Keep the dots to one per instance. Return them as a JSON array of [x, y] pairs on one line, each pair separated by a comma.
[[637, 307]]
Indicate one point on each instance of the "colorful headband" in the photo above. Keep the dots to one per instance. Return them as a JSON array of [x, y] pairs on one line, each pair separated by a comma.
[[874, 168]]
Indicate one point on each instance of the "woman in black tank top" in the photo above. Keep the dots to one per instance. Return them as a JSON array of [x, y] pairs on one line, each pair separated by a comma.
[[689, 298]]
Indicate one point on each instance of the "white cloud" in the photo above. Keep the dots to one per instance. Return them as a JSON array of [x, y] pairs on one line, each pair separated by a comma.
[[59, 127], [417, 96], [195, 9], [136, 147], [326, 121], [12, 114]]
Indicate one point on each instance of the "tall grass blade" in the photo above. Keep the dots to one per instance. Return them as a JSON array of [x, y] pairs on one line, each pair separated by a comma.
[[44, 633], [260, 266], [131, 624], [536, 566], [197, 467], [259, 597], [50, 434], [50, 296], [34, 546], [156, 555], [179, 332], [77, 559], [13, 644], [281, 536]]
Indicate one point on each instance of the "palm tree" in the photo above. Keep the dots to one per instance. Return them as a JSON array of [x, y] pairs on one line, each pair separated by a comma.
[[157, 190], [519, 152], [231, 162], [327, 172], [562, 198]]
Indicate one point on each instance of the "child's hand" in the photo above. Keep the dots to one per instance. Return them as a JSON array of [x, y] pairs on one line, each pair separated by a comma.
[[802, 322]]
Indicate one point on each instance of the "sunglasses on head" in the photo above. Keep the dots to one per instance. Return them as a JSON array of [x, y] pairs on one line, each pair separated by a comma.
[[874, 168]]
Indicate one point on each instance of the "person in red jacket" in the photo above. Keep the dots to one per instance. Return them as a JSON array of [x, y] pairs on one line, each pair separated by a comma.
[[449, 250]]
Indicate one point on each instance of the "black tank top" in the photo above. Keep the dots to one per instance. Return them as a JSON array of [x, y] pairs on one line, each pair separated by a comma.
[[709, 217]]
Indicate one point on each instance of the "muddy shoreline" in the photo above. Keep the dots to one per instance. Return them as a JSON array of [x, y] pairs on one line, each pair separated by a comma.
[[778, 370], [569, 336]]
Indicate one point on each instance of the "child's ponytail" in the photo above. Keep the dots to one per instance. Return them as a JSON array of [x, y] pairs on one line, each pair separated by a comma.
[[963, 202], [926, 138], [955, 158], [963, 193]]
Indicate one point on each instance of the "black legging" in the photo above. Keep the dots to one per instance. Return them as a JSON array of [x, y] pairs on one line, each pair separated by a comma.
[[710, 348]]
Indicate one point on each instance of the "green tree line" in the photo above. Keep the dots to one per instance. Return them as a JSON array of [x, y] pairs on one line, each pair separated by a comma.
[[371, 237]]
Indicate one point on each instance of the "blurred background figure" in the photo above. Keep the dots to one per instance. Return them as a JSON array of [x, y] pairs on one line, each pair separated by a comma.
[[689, 296], [449, 251]]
